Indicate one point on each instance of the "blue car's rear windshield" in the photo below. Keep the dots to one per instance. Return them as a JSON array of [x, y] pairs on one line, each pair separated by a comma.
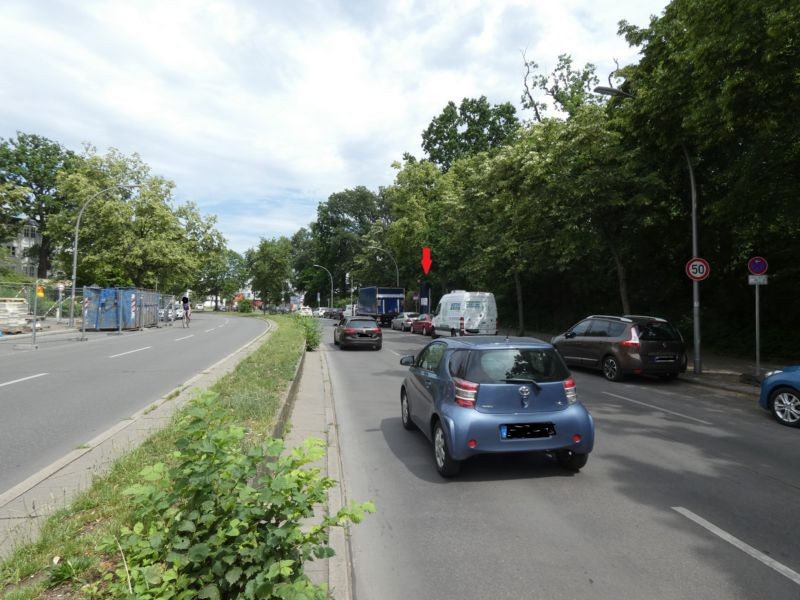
[[496, 366]]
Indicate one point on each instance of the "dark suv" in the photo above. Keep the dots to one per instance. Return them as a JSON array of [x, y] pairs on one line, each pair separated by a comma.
[[627, 345]]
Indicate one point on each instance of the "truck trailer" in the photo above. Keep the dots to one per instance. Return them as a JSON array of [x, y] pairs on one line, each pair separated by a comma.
[[381, 303]]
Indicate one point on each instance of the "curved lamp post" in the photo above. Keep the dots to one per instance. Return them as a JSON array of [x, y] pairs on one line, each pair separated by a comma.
[[698, 365], [331, 276], [75, 244], [396, 270]]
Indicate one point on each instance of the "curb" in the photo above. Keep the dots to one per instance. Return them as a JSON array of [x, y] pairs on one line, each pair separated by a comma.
[[340, 565]]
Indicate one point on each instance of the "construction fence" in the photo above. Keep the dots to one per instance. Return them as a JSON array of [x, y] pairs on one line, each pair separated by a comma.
[[94, 308]]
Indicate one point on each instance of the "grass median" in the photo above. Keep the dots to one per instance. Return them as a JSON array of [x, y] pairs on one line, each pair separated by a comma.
[[72, 559]]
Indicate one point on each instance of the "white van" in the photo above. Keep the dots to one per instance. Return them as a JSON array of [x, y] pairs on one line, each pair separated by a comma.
[[465, 313]]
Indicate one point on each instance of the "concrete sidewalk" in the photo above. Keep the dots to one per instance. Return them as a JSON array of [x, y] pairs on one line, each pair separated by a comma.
[[312, 415]]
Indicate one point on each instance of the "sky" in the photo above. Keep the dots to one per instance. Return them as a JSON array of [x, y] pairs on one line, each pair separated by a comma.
[[259, 110]]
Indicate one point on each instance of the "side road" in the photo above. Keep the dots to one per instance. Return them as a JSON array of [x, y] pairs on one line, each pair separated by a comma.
[[25, 507]]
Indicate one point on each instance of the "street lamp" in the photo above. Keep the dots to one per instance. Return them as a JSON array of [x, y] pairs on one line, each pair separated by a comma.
[[331, 276], [75, 244], [698, 365], [396, 270]]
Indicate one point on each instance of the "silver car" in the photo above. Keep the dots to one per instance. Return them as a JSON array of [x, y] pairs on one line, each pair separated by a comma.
[[402, 322]]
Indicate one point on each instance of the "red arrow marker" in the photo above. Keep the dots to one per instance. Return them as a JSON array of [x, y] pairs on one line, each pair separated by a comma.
[[426, 260]]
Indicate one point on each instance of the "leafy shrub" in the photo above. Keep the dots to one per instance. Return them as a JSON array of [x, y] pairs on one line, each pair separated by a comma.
[[311, 327], [225, 521], [246, 306]]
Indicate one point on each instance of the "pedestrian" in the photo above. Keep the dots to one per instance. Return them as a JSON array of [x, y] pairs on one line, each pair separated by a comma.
[[187, 310]]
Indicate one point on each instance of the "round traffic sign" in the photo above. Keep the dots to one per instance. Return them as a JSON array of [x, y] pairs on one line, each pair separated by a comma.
[[697, 269], [757, 265]]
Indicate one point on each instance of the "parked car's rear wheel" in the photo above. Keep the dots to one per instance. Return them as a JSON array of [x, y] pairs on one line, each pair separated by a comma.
[[611, 369], [405, 411], [572, 461], [445, 463], [784, 403], [378, 346]]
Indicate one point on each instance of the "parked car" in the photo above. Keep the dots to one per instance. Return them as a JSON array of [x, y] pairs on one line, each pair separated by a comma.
[[780, 395], [306, 311], [422, 324], [402, 322], [333, 313], [627, 345], [354, 332], [476, 395]]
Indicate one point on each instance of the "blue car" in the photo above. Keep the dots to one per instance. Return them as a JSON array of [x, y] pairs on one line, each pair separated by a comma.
[[476, 395], [780, 395]]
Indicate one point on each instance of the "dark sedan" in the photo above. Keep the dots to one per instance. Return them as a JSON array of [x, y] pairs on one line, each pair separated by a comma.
[[355, 332]]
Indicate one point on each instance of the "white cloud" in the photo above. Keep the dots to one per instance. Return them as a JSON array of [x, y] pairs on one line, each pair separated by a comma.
[[272, 107]]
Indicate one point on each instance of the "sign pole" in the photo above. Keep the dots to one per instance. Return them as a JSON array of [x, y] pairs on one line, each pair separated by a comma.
[[758, 336], [758, 267]]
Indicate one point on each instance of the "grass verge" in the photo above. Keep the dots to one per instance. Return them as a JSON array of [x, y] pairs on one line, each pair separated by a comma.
[[64, 562]]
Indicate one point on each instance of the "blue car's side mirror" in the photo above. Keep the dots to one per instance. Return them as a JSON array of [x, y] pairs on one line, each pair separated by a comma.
[[407, 361]]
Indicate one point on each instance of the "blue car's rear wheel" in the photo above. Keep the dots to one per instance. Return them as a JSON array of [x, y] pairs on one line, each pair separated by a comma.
[[784, 403], [445, 463]]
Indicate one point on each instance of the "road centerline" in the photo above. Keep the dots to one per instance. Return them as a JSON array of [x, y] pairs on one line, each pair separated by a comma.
[[186, 337], [734, 541], [671, 412], [130, 352], [23, 379]]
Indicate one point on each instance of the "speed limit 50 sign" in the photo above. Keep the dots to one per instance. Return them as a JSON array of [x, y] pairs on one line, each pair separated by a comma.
[[697, 269]]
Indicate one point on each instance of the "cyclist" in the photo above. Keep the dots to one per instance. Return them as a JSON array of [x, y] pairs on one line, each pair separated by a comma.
[[187, 311]]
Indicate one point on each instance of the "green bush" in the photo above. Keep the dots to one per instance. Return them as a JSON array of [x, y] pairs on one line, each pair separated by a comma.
[[246, 306], [313, 334], [225, 521]]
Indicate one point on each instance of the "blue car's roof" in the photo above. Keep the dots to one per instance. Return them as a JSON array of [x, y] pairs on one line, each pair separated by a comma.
[[490, 342]]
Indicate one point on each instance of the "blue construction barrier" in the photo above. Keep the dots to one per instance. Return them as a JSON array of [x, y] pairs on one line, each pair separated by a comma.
[[119, 308]]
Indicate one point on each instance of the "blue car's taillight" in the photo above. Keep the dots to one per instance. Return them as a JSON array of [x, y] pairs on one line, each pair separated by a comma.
[[466, 392], [570, 391]]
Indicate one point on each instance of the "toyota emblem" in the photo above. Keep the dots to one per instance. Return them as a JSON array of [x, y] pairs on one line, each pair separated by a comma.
[[524, 392]]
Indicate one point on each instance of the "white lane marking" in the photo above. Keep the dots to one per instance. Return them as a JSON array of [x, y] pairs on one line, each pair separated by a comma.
[[130, 352], [746, 548], [23, 379], [186, 337], [658, 408], [210, 330], [397, 353]]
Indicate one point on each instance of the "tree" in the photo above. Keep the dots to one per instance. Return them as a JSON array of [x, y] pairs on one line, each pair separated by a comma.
[[569, 89], [33, 163], [128, 235], [475, 126], [269, 266], [338, 232]]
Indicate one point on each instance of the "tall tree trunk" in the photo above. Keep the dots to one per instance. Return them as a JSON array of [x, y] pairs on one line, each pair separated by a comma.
[[622, 280], [520, 315]]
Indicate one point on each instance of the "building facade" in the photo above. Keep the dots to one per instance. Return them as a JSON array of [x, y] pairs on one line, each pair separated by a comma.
[[27, 238]]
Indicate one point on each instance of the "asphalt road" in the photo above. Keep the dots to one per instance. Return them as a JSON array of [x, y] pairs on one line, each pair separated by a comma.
[[57, 398], [689, 493]]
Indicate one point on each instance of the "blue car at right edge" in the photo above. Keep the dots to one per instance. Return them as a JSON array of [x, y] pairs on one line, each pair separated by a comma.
[[780, 395], [489, 394]]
